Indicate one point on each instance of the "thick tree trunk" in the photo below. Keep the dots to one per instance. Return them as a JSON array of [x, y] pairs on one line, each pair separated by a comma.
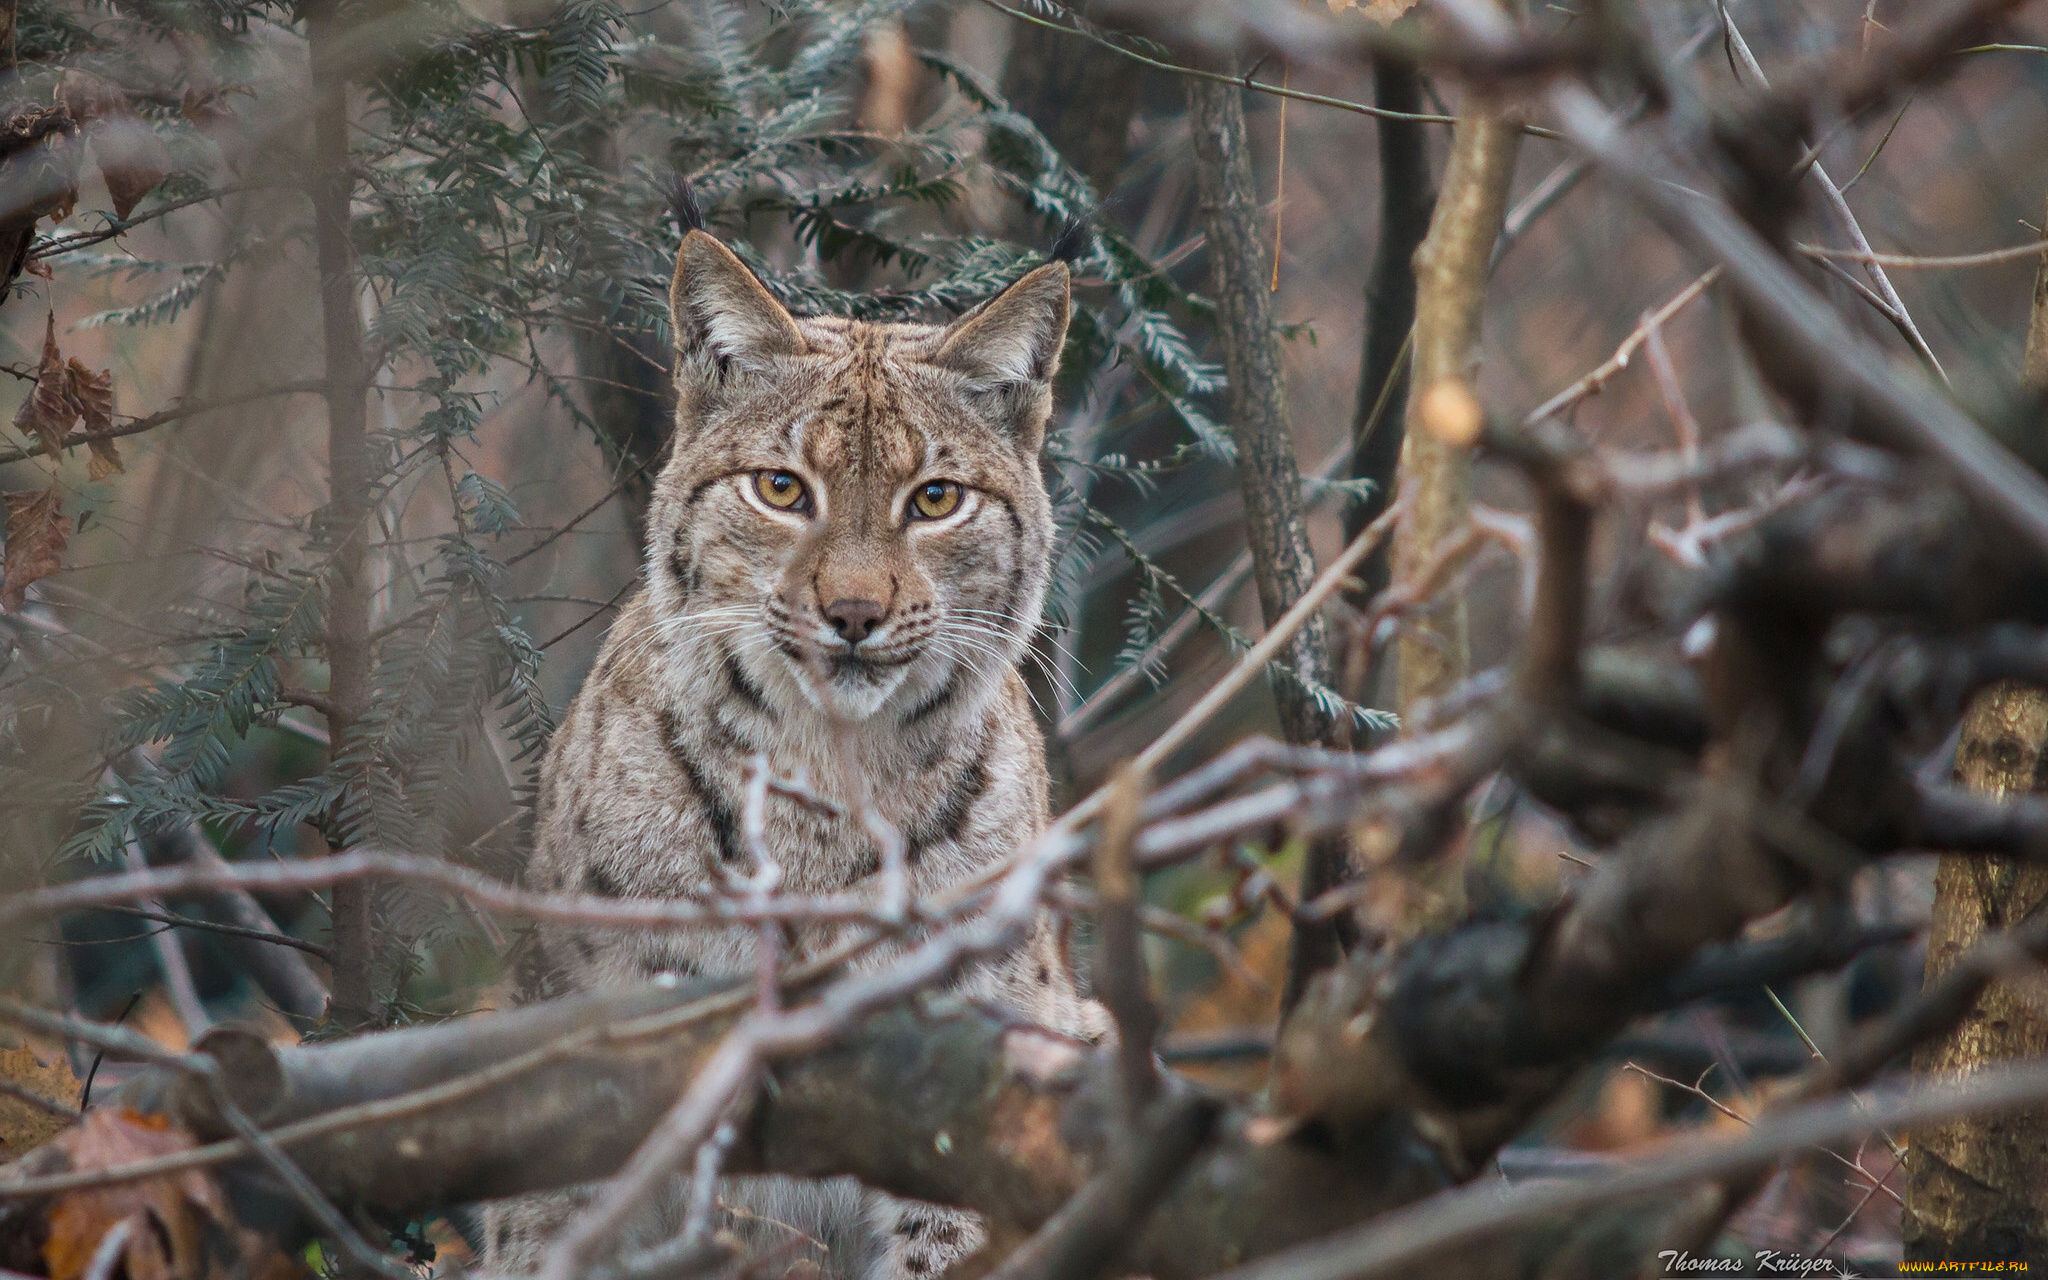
[[1977, 1188], [348, 603], [1267, 472]]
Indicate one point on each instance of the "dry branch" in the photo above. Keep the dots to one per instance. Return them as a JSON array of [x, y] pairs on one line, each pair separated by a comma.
[[1451, 269]]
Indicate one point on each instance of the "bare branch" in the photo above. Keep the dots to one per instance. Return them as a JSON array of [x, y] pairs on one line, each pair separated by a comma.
[[136, 426]]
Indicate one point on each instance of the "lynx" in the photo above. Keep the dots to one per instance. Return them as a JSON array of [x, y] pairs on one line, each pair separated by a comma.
[[846, 557]]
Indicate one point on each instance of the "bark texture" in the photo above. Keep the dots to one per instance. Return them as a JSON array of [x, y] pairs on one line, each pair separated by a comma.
[[1977, 1187], [1451, 270], [348, 600], [1268, 473], [1267, 470]]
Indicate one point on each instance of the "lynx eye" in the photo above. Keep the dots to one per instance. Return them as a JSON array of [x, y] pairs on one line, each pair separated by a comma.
[[781, 490], [935, 499]]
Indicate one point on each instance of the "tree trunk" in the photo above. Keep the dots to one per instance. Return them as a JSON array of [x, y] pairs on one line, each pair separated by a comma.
[[1977, 1188], [1267, 472], [1451, 271], [352, 998], [1282, 561], [1407, 200]]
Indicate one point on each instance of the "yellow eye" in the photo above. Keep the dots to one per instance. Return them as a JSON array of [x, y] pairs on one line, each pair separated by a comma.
[[782, 490], [935, 499]]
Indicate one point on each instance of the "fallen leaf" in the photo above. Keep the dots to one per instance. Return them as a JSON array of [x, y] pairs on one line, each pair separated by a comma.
[[49, 410], [167, 1213], [23, 1124], [36, 532], [176, 1226]]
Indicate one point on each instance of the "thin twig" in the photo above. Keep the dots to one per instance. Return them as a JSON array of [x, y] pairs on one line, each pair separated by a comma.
[[2011, 253], [1211, 600], [496, 895], [1840, 204], [1597, 377], [136, 426], [228, 930], [1245, 81]]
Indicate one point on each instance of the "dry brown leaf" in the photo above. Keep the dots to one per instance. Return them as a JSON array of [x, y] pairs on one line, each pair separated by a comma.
[[37, 530], [49, 410], [23, 1124], [168, 1212], [1377, 10], [90, 98], [105, 460], [178, 1225], [208, 107], [92, 394], [68, 394], [132, 160], [131, 157], [1229, 1004]]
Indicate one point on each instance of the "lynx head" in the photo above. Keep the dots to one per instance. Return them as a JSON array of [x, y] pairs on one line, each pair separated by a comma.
[[853, 517]]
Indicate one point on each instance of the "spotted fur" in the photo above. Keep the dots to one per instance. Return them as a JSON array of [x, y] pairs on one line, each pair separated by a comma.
[[847, 638]]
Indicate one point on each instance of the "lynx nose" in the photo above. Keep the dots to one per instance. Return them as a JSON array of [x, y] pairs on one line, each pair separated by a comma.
[[854, 619]]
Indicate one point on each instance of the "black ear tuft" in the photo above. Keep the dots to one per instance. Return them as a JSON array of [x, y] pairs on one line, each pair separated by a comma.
[[1075, 241], [682, 202]]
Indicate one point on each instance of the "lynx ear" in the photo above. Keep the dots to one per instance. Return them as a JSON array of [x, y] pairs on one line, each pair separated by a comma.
[[1015, 337], [721, 311]]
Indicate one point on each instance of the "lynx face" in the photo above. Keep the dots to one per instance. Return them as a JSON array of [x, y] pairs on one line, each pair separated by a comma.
[[854, 516]]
